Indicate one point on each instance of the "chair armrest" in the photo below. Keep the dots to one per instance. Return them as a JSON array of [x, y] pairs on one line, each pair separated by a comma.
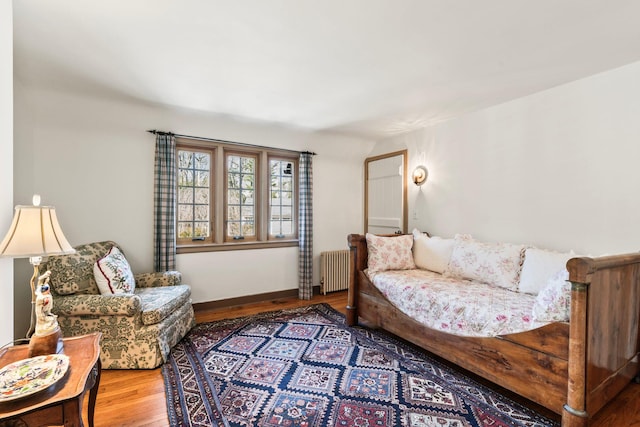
[[156, 280], [96, 305]]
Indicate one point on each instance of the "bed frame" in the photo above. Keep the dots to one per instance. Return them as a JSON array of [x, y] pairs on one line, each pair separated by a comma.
[[572, 368]]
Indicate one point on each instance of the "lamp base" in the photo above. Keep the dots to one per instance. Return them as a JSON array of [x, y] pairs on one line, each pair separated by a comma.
[[50, 343]]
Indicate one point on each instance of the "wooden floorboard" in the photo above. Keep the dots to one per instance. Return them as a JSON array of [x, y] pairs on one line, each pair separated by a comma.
[[137, 398]]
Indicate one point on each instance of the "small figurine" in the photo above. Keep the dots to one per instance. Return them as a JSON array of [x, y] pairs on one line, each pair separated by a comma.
[[46, 321]]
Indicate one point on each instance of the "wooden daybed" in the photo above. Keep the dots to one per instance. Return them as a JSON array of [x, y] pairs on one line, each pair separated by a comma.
[[572, 368]]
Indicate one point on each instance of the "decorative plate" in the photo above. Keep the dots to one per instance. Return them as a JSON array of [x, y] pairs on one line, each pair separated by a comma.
[[29, 376]]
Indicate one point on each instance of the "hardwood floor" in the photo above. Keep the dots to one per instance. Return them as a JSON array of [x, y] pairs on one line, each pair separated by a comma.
[[137, 398]]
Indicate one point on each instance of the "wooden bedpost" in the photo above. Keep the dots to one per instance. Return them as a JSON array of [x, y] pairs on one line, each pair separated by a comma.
[[604, 333], [574, 413], [358, 250]]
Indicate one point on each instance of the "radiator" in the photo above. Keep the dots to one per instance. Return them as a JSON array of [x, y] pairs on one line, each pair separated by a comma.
[[334, 271]]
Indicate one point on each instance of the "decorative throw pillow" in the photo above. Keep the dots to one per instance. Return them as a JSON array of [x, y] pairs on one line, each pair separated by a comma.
[[390, 253], [539, 266], [553, 303], [496, 264], [113, 274], [431, 253]]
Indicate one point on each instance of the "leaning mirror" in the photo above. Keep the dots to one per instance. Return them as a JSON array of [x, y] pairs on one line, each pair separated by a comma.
[[385, 193]]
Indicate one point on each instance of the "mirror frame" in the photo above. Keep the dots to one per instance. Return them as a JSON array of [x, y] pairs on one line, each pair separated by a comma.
[[405, 210]]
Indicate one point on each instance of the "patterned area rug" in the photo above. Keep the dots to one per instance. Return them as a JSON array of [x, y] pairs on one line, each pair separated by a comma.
[[305, 368]]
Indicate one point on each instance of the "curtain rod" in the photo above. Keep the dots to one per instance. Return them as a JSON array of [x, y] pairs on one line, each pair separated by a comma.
[[200, 138]]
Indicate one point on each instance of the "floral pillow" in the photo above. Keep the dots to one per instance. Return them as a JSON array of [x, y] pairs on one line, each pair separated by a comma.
[[496, 264], [390, 253], [113, 274], [553, 303]]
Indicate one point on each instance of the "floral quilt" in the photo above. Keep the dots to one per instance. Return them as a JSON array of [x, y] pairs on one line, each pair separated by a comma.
[[455, 305]]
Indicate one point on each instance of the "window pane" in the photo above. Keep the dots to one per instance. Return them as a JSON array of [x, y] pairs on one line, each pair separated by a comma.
[[275, 168], [233, 163], [201, 229], [185, 195], [194, 189], [247, 197], [185, 177], [280, 197], [202, 179], [247, 181], [234, 213], [233, 180], [248, 229], [248, 165], [185, 230], [286, 213], [185, 212], [202, 161], [202, 196], [241, 184], [247, 213], [201, 213], [234, 197], [275, 228], [185, 159], [233, 228], [287, 184]]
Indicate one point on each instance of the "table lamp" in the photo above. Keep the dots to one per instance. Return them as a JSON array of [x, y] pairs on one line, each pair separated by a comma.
[[35, 233]]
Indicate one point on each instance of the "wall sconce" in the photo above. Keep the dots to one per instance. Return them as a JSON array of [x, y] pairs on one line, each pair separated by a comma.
[[420, 175]]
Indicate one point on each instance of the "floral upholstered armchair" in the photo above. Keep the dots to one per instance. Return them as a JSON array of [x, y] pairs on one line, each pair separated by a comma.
[[139, 326]]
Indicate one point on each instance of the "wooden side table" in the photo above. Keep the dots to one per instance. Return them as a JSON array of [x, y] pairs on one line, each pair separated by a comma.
[[61, 403]]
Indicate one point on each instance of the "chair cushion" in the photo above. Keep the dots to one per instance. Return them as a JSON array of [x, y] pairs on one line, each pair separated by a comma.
[[158, 303], [73, 274]]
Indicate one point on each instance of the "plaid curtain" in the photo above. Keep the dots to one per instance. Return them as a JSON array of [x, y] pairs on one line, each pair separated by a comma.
[[305, 227], [165, 203]]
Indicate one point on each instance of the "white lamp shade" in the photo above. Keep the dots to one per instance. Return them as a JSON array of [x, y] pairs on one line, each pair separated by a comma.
[[34, 232]]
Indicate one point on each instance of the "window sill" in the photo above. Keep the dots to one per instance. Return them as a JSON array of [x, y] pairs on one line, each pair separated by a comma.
[[218, 247]]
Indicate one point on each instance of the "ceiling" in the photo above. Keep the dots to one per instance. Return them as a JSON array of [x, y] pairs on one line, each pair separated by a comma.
[[368, 68]]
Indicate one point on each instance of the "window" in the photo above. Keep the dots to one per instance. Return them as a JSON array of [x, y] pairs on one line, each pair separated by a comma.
[[241, 197], [281, 199], [194, 217], [234, 197]]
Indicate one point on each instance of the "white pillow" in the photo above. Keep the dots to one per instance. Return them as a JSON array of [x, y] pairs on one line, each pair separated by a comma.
[[113, 274], [539, 266], [553, 303], [389, 253], [496, 264], [431, 253]]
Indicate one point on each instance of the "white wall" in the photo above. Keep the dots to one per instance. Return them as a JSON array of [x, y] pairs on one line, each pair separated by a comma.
[[559, 169], [6, 166], [91, 158]]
